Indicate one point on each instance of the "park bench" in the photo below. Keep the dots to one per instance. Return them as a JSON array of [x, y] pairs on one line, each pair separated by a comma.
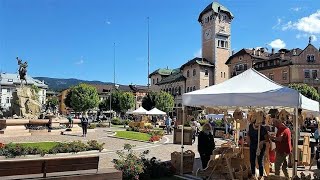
[[53, 165]]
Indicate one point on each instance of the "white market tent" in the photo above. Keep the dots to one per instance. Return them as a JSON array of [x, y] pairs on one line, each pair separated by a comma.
[[251, 89], [156, 111], [140, 110]]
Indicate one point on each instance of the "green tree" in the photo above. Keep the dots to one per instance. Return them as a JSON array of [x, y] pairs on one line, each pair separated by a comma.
[[149, 101], [164, 101], [82, 97], [53, 101], [308, 91], [67, 100], [127, 101]]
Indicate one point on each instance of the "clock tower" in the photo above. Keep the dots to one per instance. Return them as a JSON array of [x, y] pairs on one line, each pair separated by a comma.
[[215, 20]]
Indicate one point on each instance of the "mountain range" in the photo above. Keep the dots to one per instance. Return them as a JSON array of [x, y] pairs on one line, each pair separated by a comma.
[[57, 84]]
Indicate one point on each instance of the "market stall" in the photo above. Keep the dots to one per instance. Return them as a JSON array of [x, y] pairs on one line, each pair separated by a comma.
[[155, 111], [252, 90]]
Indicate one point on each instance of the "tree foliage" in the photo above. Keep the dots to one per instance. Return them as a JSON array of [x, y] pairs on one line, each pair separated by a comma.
[[161, 100], [53, 101], [306, 90], [82, 97], [164, 101], [120, 102], [149, 101]]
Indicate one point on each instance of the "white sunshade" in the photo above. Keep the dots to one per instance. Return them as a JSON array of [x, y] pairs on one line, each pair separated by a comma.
[[140, 110], [249, 88], [156, 111]]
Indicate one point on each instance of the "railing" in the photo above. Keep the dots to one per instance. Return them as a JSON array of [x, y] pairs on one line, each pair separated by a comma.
[[312, 81]]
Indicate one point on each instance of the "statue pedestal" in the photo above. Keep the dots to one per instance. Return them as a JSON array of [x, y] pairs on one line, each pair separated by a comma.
[[14, 127]]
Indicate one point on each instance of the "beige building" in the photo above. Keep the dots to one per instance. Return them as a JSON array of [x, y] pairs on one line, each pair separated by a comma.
[[199, 73], [284, 67]]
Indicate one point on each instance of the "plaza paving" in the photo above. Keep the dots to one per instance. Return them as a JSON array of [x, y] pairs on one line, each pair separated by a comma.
[[161, 150]]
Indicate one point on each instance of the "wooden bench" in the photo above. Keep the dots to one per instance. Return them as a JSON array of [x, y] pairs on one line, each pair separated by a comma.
[[47, 165]]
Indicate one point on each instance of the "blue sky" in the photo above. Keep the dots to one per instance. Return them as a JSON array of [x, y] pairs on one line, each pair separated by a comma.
[[74, 38]]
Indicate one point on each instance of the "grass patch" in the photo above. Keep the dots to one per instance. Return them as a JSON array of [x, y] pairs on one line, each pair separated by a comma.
[[133, 135], [42, 145]]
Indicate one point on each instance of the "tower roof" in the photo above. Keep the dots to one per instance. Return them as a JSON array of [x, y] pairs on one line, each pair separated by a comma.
[[216, 7]]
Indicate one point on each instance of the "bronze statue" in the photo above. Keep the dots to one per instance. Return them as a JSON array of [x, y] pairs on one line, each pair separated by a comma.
[[22, 70]]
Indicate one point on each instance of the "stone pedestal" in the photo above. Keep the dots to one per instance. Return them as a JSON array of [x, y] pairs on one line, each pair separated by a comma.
[[14, 127]]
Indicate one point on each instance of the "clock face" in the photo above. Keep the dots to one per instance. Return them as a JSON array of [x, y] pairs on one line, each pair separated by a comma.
[[207, 34]]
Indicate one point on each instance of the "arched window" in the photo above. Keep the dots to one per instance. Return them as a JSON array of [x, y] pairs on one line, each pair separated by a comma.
[[169, 90], [194, 88], [187, 89], [188, 73], [157, 80], [176, 91], [221, 74], [194, 72], [224, 74], [152, 81], [179, 92]]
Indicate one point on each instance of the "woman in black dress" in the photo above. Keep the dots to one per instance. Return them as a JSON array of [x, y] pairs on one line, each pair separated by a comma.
[[206, 144]]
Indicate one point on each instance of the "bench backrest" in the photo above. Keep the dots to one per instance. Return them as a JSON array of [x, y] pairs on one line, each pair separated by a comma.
[[37, 166]]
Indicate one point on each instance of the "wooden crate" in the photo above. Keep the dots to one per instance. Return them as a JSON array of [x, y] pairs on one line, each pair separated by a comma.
[[188, 160], [219, 133]]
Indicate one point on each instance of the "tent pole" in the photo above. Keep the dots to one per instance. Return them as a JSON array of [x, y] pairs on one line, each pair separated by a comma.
[[295, 143], [182, 140]]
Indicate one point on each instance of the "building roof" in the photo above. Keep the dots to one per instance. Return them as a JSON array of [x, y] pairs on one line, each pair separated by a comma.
[[197, 60], [174, 77], [161, 71], [13, 79], [138, 88], [215, 6]]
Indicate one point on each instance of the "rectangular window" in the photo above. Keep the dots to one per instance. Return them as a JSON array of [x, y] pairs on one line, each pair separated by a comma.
[[223, 42], [271, 63], [245, 67], [314, 74], [306, 74], [8, 100], [271, 76], [10, 80], [284, 75]]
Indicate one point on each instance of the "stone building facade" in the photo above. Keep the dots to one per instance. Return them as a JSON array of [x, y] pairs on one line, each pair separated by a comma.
[[204, 71], [284, 67]]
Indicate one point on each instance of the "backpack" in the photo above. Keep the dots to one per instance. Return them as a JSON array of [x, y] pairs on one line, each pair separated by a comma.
[[84, 120]]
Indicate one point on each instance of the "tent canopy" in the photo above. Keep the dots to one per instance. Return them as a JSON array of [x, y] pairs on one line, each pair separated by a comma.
[[249, 88], [140, 110], [156, 111]]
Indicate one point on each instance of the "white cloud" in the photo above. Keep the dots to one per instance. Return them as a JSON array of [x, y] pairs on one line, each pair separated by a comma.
[[198, 53], [279, 20], [313, 37], [278, 43], [108, 22], [309, 24], [296, 9]]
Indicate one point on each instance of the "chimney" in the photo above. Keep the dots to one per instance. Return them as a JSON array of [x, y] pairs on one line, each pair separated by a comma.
[[294, 52], [282, 55], [259, 52], [262, 50], [254, 51], [272, 51]]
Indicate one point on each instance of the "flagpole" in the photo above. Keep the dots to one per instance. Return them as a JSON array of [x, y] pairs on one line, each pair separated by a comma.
[[148, 55]]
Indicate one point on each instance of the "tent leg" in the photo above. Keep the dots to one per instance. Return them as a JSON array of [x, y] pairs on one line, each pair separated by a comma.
[[182, 141], [295, 143]]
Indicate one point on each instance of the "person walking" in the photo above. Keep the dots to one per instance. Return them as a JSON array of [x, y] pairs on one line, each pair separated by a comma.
[[206, 144], [70, 121], [252, 140], [84, 125], [168, 124], [283, 146]]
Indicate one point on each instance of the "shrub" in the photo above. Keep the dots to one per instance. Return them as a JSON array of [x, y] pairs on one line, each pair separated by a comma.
[[157, 133], [129, 163], [94, 145], [149, 127], [116, 121], [92, 126], [126, 122], [102, 125], [154, 169], [12, 150], [203, 121]]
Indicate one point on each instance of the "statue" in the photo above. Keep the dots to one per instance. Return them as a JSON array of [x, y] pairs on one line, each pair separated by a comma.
[[22, 70]]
